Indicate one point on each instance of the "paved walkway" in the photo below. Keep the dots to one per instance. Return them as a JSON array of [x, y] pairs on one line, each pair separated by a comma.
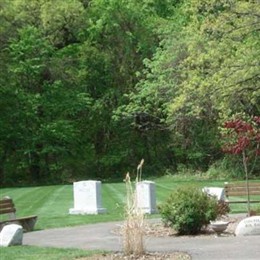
[[101, 236]]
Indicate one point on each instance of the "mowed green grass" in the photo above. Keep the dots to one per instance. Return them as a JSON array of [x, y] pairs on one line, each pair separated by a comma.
[[42, 253], [52, 203]]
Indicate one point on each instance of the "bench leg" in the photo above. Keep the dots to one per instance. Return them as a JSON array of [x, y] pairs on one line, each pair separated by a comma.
[[28, 224]]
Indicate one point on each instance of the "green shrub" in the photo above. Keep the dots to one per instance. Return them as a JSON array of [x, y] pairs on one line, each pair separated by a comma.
[[188, 209]]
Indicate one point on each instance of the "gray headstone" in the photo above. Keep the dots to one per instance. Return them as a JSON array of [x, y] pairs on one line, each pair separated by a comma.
[[248, 227], [146, 199], [87, 198], [11, 235], [219, 193]]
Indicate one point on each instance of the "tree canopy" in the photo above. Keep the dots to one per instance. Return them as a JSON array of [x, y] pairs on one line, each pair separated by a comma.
[[90, 87]]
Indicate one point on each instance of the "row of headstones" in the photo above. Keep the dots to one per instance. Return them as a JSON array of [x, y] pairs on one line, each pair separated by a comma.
[[88, 200]]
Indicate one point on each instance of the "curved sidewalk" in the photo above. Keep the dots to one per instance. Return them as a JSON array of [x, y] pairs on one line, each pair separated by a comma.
[[101, 236]]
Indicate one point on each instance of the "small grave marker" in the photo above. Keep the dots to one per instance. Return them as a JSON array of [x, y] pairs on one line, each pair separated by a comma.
[[87, 198], [11, 235], [249, 227], [146, 199], [219, 193]]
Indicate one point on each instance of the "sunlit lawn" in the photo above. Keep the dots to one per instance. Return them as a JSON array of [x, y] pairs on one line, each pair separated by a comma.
[[40, 253], [52, 203]]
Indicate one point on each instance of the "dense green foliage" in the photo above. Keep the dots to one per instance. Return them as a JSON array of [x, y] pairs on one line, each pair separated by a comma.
[[87, 88], [188, 209], [206, 70]]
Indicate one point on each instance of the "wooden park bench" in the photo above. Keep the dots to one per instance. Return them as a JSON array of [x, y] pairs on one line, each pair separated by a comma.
[[7, 207], [237, 192]]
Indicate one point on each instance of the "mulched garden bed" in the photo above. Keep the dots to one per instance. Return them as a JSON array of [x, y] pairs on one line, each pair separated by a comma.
[[157, 229], [147, 256]]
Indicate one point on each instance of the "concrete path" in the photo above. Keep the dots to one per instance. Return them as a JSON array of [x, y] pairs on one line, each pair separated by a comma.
[[102, 236]]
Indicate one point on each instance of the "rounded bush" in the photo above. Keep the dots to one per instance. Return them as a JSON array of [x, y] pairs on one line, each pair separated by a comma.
[[188, 209]]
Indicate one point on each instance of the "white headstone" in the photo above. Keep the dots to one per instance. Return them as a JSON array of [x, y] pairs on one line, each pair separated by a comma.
[[249, 227], [87, 198], [219, 193], [146, 199], [11, 235]]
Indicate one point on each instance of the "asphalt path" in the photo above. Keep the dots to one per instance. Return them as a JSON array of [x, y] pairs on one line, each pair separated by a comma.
[[102, 236]]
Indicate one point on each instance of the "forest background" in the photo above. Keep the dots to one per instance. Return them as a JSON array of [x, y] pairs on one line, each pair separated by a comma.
[[89, 87]]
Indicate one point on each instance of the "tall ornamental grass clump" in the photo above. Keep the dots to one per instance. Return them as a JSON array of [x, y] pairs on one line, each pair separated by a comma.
[[134, 224], [188, 209]]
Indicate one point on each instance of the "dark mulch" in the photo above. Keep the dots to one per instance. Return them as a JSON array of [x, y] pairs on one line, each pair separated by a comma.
[[159, 230], [147, 256]]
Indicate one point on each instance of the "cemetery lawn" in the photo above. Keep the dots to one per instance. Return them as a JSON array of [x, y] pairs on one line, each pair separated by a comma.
[[52, 203], [42, 253]]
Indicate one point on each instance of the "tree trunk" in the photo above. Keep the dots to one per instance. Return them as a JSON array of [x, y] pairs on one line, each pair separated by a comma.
[[247, 183]]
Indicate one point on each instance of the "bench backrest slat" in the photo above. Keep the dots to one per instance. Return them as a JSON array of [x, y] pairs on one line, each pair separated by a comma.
[[243, 189], [6, 201], [7, 210], [240, 189], [240, 193], [7, 206], [236, 185]]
